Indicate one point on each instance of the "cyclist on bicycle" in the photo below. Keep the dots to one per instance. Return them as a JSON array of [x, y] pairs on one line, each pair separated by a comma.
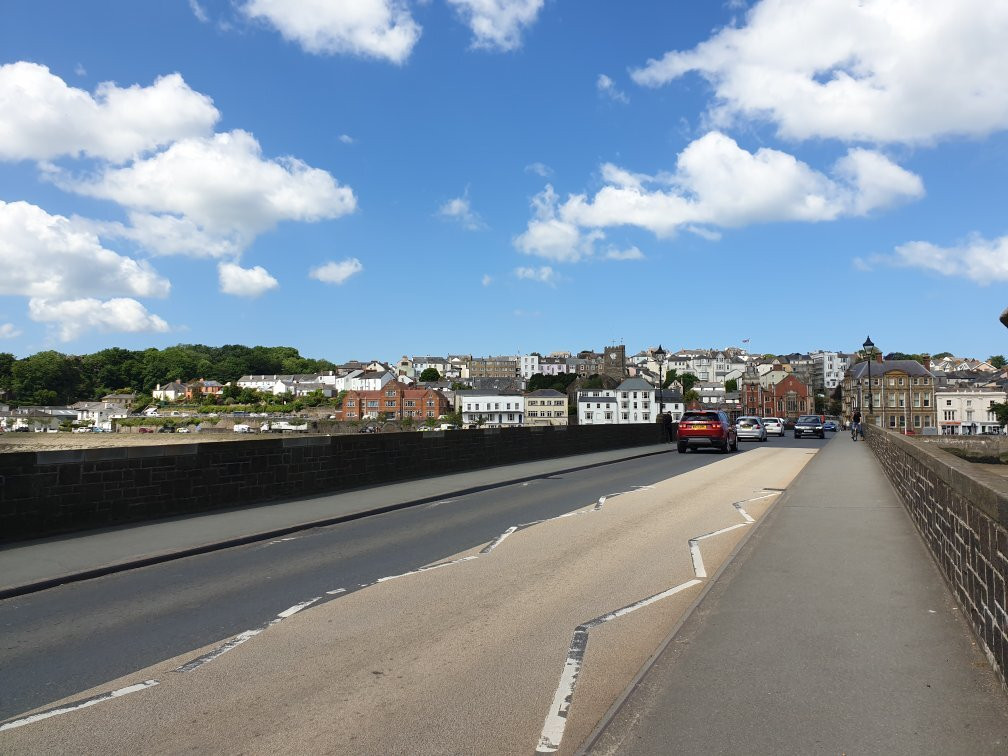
[[855, 425]]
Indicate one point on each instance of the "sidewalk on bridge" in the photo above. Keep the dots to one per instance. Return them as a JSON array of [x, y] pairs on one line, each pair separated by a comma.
[[38, 564], [831, 631]]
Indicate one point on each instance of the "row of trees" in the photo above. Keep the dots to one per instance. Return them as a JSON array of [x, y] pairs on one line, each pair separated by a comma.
[[56, 378]]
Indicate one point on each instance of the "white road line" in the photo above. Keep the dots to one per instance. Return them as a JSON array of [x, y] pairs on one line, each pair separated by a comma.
[[297, 608], [698, 565], [242, 637], [421, 569], [338, 590], [719, 532], [499, 539], [222, 649], [599, 504], [556, 719], [82, 705]]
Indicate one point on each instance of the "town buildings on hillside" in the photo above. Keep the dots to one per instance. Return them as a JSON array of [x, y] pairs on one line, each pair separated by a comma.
[[895, 394]]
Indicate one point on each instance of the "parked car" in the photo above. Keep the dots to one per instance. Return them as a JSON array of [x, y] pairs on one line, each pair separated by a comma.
[[830, 425], [182, 430], [706, 429], [144, 430], [752, 428], [774, 425], [809, 425]]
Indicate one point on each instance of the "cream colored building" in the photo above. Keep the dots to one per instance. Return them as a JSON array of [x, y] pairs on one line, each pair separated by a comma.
[[545, 407]]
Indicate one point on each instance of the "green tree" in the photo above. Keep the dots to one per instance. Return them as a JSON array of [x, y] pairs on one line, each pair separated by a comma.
[[1000, 412], [47, 378], [430, 375], [688, 381], [691, 396], [997, 360], [731, 385]]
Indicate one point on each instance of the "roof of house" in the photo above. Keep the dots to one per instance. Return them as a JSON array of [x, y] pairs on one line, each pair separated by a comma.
[[546, 392], [635, 384], [910, 367]]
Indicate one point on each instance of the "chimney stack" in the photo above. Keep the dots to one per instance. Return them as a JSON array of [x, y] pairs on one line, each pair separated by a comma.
[[878, 357], [927, 362]]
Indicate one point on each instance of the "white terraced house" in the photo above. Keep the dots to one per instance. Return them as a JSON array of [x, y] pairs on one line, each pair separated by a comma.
[[490, 409], [633, 401]]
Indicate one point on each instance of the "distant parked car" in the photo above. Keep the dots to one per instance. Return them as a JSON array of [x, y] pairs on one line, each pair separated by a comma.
[[182, 430], [751, 428], [809, 425], [774, 425], [144, 430]]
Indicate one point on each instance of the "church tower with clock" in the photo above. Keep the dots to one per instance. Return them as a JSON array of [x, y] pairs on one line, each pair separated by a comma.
[[614, 362]]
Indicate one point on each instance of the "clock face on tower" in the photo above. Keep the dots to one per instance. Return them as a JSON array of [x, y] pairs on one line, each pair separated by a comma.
[[614, 356]]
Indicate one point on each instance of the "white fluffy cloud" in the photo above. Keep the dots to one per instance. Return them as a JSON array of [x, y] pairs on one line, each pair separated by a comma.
[[370, 28], [459, 210], [879, 71], [716, 184], [244, 282], [213, 195], [981, 260], [9, 331], [42, 118], [498, 24], [337, 272], [545, 274], [75, 316], [54, 258], [607, 87]]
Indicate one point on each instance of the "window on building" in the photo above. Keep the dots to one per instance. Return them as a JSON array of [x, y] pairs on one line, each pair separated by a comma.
[[608, 415], [917, 421], [588, 415], [390, 403], [626, 416], [372, 403], [409, 403]]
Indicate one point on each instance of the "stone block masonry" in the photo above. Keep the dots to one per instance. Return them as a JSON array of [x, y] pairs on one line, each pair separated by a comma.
[[961, 510], [47, 493]]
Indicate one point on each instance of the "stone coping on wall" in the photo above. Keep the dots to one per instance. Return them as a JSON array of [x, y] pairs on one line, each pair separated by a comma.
[[985, 490]]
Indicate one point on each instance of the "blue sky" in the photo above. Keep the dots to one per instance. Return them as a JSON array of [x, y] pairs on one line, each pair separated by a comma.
[[372, 178]]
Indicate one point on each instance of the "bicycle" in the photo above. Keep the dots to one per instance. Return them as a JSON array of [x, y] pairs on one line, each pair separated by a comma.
[[855, 429]]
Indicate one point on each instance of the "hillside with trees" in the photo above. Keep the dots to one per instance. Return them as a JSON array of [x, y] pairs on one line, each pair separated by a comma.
[[55, 378]]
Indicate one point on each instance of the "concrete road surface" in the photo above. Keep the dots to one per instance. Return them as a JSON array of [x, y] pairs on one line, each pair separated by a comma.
[[518, 645]]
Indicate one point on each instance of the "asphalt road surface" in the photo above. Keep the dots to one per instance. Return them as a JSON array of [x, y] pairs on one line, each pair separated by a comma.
[[436, 629]]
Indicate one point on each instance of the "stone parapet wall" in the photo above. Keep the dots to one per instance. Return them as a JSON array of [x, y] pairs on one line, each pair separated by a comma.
[[961, 510], [46, 493]]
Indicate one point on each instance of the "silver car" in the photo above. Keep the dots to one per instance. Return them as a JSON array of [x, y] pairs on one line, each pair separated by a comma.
[[750, 428], [774, 426]]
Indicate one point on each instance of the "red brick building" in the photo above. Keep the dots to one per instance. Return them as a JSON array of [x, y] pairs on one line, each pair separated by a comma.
[[789, 397], [394, 400]]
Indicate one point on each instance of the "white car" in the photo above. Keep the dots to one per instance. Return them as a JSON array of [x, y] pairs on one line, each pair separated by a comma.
[[751, 428], [774, 425]]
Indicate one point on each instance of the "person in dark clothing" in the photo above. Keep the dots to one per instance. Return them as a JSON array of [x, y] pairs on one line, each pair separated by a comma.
[[855, 425], [666, 420]]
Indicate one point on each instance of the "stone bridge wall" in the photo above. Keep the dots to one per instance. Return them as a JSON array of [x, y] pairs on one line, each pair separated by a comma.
[[45, 493], [962, 512]]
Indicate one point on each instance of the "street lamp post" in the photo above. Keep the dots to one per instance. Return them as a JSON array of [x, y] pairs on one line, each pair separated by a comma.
[[659, 355], [869, 350]]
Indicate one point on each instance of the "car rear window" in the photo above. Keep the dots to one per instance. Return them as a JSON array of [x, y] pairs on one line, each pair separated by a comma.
[[707, 417], [808, 419], [770, 420]]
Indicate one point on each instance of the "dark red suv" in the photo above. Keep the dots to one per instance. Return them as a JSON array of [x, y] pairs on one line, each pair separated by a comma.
[[707, 428]]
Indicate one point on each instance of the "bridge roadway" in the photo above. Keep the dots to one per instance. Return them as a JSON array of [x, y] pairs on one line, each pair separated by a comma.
[[435, 629]]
